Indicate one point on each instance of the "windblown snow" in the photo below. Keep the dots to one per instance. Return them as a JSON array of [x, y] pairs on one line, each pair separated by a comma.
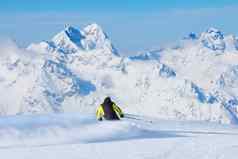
[[77, 68], [180, 102], [73, 136]]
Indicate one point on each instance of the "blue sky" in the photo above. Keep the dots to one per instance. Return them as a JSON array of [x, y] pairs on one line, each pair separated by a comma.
[[133, 25], [110, 5]]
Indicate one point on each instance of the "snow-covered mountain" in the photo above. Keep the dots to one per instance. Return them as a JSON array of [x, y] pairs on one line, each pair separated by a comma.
[[76, 69], [72, 40]]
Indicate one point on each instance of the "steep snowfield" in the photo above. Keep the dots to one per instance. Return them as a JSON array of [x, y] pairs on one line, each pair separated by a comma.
[[18, 74], [76, 69], [81, 136]]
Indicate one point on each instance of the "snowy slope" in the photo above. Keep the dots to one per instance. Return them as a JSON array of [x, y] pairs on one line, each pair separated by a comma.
[[76, 69], [74, 136]]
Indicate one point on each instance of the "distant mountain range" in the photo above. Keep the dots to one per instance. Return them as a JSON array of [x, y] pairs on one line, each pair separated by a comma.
[[76, 69]]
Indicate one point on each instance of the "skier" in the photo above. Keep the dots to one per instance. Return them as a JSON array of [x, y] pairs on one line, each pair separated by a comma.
[[108, 110]]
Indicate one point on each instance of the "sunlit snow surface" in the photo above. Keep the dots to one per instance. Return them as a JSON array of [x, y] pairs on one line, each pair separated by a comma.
[[74, 136]]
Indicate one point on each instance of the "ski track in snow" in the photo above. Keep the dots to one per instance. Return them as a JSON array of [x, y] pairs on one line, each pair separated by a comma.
[[74, 136]]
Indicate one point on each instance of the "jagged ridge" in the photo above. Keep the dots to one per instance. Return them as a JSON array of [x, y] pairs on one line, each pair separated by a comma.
[[80, 67]]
